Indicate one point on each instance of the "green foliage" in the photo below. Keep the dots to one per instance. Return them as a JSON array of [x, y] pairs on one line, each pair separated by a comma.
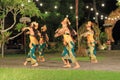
[[118, 3], [4, 36], [19, 26], [17, 7], [7, 34], [20, 6], [30, 9], [103, 37]]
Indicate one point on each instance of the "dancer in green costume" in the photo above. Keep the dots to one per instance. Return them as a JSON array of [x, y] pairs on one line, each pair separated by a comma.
[[33, 34]]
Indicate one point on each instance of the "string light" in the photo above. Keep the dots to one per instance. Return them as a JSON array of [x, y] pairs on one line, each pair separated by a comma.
[[41, 4], [103, 5], [112, 19], [91, 9], [55, 7], [76, 17], [97, 13], [46, 12], [67, 16], [101, 16], [94, 18], [118, 16], [37, 0], [29, 1], [22, 4], [71, 7], [105, 17], [87, 7], [115, 18], [108, 18]]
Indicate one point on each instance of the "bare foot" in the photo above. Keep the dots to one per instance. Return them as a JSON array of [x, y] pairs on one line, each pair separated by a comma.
[[43, 60], [25, 63], [67, 66], [94, 61], [65, 63], [76, 67], [34, 65], [38, 60]]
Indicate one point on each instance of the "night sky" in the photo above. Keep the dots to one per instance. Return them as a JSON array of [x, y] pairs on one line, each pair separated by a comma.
[[110, 5]]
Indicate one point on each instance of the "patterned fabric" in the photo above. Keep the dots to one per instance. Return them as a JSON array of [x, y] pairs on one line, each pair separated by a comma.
[[31, 55], [41, 48], [65, 51], [68, 51], [71, 50], [91, 52]]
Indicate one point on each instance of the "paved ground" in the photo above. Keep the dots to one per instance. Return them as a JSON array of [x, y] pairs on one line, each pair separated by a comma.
[[111, 62]]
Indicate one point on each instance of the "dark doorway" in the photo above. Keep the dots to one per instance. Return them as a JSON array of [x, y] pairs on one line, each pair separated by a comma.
[[116, 33], [116, 36]]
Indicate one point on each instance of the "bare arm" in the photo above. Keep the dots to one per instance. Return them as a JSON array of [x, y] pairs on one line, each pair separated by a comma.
[[74, 32], [39, 34], [47, 38], [28, 32], [25, 28], [84, 34], [59, 32]]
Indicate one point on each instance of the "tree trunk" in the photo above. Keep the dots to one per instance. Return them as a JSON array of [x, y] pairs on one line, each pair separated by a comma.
[[3, 44], [76, 12], [81, 51], [3, 37]]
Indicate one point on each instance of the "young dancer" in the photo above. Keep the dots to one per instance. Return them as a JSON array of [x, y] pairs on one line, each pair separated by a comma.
[[33, 34], [67, 32], [42, 43], [90, 41]]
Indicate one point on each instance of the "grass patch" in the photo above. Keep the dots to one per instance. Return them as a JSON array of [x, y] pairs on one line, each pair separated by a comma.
[[51, 74], [14, 55]]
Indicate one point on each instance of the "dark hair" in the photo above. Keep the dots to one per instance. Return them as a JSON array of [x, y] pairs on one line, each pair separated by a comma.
[[72, 33], [35, 32]]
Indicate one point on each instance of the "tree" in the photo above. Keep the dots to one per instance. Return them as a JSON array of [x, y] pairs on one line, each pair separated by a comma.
[[15, 8]]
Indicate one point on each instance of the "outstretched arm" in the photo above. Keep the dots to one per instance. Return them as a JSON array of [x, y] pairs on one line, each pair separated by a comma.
[[84, 34], [59, 32], [47, 38], [25, 28]]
